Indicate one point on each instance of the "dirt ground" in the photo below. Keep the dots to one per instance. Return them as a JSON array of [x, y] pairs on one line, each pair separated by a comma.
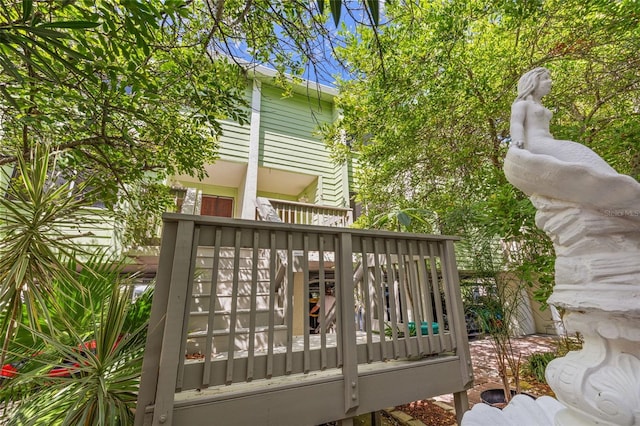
[[429, 413], [486, 376]]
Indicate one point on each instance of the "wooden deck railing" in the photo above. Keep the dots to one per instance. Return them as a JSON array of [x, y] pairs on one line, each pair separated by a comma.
[[231, 337]]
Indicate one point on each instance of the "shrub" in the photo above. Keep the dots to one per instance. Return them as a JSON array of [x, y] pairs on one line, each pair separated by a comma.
[[536, 364]]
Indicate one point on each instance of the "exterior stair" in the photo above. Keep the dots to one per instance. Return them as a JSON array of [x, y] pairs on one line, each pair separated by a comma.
[[226, 303]]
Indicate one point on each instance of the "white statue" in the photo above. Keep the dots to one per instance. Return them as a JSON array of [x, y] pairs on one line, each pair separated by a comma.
[[530, 125], [570, 171], [592, 215]]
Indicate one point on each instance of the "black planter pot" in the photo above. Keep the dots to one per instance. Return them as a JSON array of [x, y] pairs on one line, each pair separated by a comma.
[[495, 397]]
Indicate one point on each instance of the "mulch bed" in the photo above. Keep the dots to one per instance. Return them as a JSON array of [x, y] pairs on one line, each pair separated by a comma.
[[432, 414], [429, 413]]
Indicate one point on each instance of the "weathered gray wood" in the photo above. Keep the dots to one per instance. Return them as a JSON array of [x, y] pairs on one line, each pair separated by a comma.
[[423, 283], [323, 311], [460, 404], [447, 286], [234, 305], [402, 289], [339, 311], [153, 347], [272, 301], [347, 327], [301, 400], [462, 339], [366, 287], [381, 299], [208, 221], [433, 253], [212, 307], [170, 354], [253, 305], [393, 304], [350, 373], [185, 315], [289, 302], [416, 291], [305, 294]]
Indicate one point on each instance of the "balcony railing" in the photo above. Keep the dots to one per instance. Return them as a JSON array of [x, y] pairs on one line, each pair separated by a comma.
[[234, 336], [312, 214]]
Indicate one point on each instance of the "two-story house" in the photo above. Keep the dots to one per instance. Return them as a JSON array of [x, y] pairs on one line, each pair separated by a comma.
[[255, 322]]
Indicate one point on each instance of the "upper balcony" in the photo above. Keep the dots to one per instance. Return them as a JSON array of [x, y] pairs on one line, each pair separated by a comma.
[[309, 214]]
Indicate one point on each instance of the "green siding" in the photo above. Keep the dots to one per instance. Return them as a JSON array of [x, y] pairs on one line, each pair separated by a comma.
[[311, 193], [289, 141], [221, 191], [333, 187], [234, 142], [101, 234]]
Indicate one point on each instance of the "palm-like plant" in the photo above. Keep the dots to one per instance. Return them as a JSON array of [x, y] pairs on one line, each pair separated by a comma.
[[101, 377], [405, 219], [61, 304], [38, 215]]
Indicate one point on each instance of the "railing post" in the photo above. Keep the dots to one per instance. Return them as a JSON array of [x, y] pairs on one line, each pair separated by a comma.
[[170, 354], [462, 340], [348, 326], [153, 347]]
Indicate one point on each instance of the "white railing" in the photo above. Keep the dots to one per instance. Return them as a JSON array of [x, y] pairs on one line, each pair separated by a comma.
[[311, 214]]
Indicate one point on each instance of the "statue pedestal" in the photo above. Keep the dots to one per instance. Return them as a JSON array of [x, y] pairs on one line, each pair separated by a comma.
[[598, 288], [597, 256], [599, 384]]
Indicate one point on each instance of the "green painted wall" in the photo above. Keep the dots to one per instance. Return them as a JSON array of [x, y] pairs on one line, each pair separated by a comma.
[[289, 140], [222, 191], [102, 233], [234, 142]]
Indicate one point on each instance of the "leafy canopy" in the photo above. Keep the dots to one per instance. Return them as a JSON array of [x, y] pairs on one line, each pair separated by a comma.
[[133, 92], [428, 118]]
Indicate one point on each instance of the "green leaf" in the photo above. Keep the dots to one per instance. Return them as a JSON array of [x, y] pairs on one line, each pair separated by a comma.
[[70, 24], [40, 65], [374, 9], [10, 68], [321, 6], [6, 94], [336, 9], [27, 8], [46, 33], [404, 219]]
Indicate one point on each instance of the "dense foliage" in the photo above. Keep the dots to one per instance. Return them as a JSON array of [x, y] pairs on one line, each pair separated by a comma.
[[428, 114], [100, 101], [132, 92]]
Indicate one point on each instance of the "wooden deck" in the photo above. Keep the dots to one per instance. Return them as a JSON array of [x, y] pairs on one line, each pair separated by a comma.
[[257, 360]]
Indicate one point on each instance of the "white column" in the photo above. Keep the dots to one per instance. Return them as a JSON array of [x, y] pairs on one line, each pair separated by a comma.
[[250, 190]]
